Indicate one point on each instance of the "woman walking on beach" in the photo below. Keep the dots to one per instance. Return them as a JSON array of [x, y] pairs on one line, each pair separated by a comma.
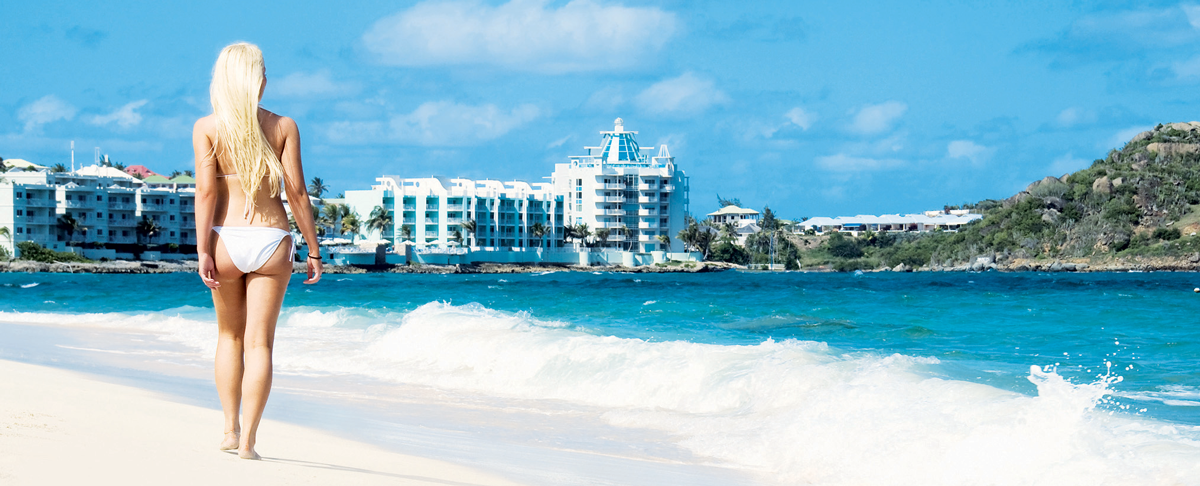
[[244, 154]]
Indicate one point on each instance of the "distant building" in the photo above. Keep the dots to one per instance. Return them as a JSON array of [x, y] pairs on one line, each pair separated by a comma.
[[913, 223], [139, 171], [734, 214], [634, 196], [432, 210], [107, 207]]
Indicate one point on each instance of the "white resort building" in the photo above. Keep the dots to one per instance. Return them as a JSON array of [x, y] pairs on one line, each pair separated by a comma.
[[634, 196], [913, 223], [430, 212], [107, 206]]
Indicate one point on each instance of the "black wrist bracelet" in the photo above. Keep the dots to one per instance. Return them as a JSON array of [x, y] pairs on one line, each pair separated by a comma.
[[318, 257]]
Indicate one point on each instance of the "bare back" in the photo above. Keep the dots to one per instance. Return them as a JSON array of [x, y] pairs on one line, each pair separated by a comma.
[[230, 207]]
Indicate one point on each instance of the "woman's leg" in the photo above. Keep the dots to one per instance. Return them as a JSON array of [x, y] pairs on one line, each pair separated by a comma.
[[264, 296], [230, 302]]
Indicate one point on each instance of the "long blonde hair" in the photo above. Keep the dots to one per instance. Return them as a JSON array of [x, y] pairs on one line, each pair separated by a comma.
[[236, 82]]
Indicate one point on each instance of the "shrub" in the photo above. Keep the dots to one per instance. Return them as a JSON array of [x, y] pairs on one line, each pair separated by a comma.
[[840, 247], [1167, 234], [38, 253], [729, 253]]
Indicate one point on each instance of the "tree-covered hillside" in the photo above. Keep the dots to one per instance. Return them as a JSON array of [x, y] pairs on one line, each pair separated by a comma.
[[1143, 199]]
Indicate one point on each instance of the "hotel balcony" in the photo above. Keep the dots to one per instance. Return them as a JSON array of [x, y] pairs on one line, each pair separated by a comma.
[[610, 186], [42, 239], [409, 221], [430, 221], [647, 212], [153, 207], [647, 238], [647, 200], [668, 188], [37, 220], [409, 207], [122, 239], [616, 237], [647, 224], [122, 223], [454, 220], [609, 225], [431, 234], [612, 199], [613, 212], [77, 204], [40, 203], [117, 206], [456, 207]]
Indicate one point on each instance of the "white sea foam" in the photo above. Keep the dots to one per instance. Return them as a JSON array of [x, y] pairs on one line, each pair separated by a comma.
[[797, 412], [30, 285]]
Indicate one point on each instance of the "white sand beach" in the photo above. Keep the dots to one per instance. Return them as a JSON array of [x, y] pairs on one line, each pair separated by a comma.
[[63, 427]]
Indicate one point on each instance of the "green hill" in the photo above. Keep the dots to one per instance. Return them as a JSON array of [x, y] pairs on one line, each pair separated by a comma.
[[1142, 200]]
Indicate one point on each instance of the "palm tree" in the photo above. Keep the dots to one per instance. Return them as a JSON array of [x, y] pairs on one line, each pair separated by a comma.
[[456, 236], [538, 230], [149, 228], [68, 223], [189, 173], [350, 223], [332, 216], [58, 168], [4, 231], [582, 232], [666, 241], [470, 226], [406, 233], [174, 174], [317, 187], [379, 221], [602, 235]]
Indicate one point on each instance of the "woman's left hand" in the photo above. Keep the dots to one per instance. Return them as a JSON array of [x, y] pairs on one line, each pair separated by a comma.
[[315, 267]]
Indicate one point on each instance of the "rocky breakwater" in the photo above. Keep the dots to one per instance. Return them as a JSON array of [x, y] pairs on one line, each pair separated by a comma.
[[118, 266]]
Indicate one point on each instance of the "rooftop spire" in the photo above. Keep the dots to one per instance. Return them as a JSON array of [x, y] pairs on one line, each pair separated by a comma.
[[620, 125]]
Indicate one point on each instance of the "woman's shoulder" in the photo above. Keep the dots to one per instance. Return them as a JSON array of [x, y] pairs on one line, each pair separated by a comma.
[[283, 123], [206, 122]]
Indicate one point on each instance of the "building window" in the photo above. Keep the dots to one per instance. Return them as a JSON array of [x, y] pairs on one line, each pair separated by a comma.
[[172, 217], [183, 235], [124, 233], [143, 200], [68, 197], [99, 215], [99, 198], [18, 195], [125, 199], [20, 230], [172, 202], [20, 212], [172, 234]]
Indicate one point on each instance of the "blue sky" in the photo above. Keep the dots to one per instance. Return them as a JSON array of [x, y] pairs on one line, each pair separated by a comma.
[[812, 108]]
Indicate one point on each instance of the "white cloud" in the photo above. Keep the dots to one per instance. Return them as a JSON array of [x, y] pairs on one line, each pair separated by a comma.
[[558, 143], [302, 84], [438, 123], [1123, 137], [1075, 116], [124, 117], [1193, 14], [966, 149], [1067, 163], [686, 94], [45, 110], [878, 118], [1189, 69], [847, 163], [801, 118], [528, 35]]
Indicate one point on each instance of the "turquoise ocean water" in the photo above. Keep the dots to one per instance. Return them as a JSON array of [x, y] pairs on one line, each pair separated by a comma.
[[791, 378]]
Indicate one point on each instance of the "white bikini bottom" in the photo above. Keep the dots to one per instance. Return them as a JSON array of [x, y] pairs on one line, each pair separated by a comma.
[[250, 247]]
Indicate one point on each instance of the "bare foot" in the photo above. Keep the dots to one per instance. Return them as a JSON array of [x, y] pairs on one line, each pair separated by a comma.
[[248, 453], [232, 438]]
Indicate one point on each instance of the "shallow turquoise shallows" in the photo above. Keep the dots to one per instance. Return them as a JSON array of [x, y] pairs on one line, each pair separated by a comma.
[[884, 371]]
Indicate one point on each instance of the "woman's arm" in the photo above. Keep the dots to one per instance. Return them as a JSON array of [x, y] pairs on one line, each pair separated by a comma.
[[206, 199], [297, 194]]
